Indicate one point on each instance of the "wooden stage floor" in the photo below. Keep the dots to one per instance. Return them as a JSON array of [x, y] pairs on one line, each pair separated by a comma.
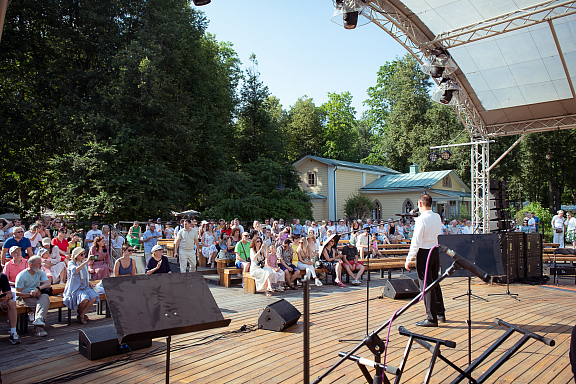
[[276, 357]]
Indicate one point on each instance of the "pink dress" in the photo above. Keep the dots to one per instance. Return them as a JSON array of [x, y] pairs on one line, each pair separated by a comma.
[[101, 266]]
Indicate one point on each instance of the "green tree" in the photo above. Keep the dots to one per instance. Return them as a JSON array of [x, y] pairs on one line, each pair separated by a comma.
[[339, 131], [358, 206], [258, 133], [303, 130]]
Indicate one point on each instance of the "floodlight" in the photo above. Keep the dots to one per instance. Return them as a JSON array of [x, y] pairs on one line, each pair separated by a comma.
[[433, 156], [438, 62], [350, 11], [446, 91], [199, 3], [445, 154]]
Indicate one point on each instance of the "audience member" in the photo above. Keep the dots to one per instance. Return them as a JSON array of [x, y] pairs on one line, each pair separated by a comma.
[[258, 269], [331, 260], [150, 239], [305, 260], [285, 254], [158, 263], [277, 278], [558, 227], [7, 304], [33, 234], [186, 247], [570, 229], [91, 236], [61, 244], [30, 286], [16, 265], [125, 265], [468, 230], [134, 235], [99, 260], [351, 263], [18, 240], [363, 241], [79, 293], [242, 251], [209, 245]]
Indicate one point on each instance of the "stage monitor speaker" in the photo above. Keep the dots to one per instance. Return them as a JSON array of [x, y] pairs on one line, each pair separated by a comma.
[[278, 316], [158, 305], [412, 276], [514, 250], [99, 342], [401, 289], [481, 249], [533, 262]]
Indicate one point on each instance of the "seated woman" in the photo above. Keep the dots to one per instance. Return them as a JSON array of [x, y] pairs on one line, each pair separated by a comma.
[[258, 269], [125, 265], [51, 264], [99, 260], [374, 247], [277, 278], [79, 292], [305, 261], [382, 231], [351, 263], [392, 235], [158, 263], [331, 260]]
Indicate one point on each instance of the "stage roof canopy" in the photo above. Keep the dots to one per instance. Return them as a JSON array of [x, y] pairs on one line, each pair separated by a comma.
[[516, 58]]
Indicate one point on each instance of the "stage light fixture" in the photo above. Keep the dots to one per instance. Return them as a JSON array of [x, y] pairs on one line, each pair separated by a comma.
[[445, 154], [447, 92], [199, 3], [438, 63], [350, 11], [433, 156]]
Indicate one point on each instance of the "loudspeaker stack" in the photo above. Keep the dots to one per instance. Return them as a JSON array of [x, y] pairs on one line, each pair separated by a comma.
[[514, 253], [533, 255]]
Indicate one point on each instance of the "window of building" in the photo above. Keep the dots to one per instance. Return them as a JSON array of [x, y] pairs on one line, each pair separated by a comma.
[[311, 179], [377, 214], [407, 206], [447, 182]]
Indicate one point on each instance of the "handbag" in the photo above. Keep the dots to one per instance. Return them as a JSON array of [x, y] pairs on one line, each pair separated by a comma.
[[558, 230]]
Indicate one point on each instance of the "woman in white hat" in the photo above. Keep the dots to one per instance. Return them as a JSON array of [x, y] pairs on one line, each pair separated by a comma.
[[79, 293], [158, 263]]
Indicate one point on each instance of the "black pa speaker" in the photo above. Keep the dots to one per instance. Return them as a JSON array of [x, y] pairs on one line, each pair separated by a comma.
[[99, 342], [412, 276], [401, 289], [278, 316]]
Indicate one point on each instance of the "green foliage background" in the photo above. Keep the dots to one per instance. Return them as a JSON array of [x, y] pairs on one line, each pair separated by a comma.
[[131, 110]]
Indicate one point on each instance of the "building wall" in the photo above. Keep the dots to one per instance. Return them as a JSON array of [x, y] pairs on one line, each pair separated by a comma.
[[321, 170], [347, 183], [320, 209], [392, 202], [370, 178], [456, 186]]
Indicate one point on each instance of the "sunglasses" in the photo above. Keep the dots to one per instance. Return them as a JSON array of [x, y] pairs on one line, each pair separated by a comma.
[[18, 231], [129, 250]]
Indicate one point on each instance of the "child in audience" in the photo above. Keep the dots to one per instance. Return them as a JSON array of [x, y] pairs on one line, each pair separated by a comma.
[[278, 278]]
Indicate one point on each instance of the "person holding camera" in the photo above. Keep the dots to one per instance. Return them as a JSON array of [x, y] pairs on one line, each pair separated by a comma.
[[79, 293], [31, 291], [99, 260]]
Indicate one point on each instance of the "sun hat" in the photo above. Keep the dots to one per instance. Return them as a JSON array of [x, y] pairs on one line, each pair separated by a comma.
[[13, 249], [45, 241], [156, 248]]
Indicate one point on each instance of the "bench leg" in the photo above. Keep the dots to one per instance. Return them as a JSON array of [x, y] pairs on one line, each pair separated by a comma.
[[389, 274], [23, 323], [69, 316], [249, 286], [227, 281], [60, 314]]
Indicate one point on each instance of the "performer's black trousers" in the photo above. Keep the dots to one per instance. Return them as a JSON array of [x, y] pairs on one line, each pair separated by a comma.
[[432, 300]]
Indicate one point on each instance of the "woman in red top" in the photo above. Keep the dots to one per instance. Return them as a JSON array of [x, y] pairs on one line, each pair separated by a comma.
[[227, 230], [99, 264], [61, 242]]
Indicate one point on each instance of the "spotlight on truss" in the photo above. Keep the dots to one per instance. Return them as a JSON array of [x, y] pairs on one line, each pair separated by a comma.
[[445, 154], [433, 156], [350, 11], [438, 62], [199, 3], [447, 92]]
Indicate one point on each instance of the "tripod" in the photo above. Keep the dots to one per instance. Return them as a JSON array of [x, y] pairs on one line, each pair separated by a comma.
[[507, 293]]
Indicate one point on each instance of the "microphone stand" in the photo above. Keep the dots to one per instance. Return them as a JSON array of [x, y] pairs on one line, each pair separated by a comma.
[[367, 283]]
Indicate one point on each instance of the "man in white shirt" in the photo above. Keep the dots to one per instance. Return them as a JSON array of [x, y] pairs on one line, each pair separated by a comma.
[[453, 228], [91, 235], [531, 223], [468, 230], [34, 235], [426, 230], [186, 247], [237, 224]]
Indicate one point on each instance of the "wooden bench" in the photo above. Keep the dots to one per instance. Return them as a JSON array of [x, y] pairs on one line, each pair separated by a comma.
[[226, 276]]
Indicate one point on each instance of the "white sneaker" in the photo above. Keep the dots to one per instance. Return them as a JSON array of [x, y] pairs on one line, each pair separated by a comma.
[[318, 283], [41, 332], [38, 322], [31, 316]]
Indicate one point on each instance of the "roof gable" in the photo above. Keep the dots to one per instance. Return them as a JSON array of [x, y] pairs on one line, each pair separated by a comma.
[[348, 164], [412, 180]]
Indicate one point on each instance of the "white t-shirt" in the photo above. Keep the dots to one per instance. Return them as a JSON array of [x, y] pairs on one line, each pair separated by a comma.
[[571, 224], [117, 244], [467, 230], [34, 241], [91, 235]]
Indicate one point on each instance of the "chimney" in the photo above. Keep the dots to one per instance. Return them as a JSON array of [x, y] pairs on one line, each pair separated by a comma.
[[414, 169]]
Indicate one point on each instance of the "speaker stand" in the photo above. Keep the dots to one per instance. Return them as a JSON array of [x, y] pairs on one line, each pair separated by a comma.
[[168, 341], [507, 293]]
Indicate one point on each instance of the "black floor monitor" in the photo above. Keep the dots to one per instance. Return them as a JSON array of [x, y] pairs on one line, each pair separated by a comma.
[[482, 250]]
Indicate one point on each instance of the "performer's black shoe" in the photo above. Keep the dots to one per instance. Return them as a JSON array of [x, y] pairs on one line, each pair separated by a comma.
[[442, 319], [426, 323]]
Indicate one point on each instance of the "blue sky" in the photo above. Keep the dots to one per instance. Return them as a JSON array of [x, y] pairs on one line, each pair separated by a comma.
[[299, 50]]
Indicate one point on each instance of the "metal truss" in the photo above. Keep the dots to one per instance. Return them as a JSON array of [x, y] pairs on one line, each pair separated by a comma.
[[521, 18], [529, 126], [396, 24]]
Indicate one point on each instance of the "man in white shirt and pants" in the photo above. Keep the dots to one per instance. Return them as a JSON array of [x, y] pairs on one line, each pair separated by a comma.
[[426, 230]]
